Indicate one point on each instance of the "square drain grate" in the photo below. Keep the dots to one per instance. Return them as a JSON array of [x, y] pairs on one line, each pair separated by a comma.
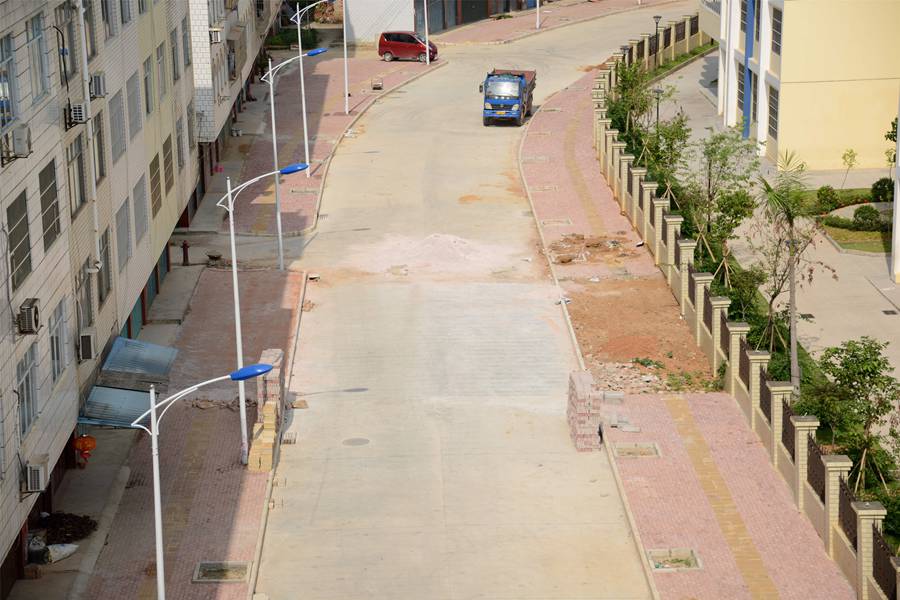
[[556, 222], [208, 571], [673, 559], [889, 312], [637, 450]]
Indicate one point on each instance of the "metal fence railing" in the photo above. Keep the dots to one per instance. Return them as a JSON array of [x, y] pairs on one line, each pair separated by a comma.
[[765, 394], [667, 37], [787, 429], [640, 50], [641, 195], [815, 468], [724, 334], [677, 252], [630, 183], [652, 210], [654, 44], [707, 310], [695, 25], [882, 569], [846, 514], [744, 363], [692, 288], [679, 31]]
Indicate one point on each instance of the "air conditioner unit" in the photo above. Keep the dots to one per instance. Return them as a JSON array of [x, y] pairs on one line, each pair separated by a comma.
[[87, 345], [215, 35], [21, 141], [78, 113], [28, 319], [36, 474], [98, 85]]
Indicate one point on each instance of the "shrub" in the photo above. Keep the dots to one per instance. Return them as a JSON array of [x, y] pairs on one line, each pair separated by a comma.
[[867, 218], [828, 199], [852, 225], [883, 190]]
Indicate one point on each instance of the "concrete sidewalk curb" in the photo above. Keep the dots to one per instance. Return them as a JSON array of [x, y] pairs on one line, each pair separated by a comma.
[[843, 250], [555, 27], [632, 524], [270, 480], [98, 541]]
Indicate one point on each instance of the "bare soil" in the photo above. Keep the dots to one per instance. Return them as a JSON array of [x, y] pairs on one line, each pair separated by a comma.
[[574, 247], [633, 338]]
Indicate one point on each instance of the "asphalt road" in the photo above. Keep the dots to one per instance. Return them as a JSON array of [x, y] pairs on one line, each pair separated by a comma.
[[434, 459]]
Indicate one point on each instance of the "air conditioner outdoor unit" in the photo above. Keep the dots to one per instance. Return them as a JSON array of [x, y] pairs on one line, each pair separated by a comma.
[[215, 36], [87, 345], [78, 113], [21, 141], [36, 474], [98, 85], [28, 319]]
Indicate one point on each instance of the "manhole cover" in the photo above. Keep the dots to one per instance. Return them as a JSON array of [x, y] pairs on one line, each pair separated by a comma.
[[221, 572], [889, 312], [556, 222], [544, 188], [355, 442], [637, 450], [807, 316], [674, 559], [535, 159]]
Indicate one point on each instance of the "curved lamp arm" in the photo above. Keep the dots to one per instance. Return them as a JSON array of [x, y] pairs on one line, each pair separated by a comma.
[[228, 205], [297, 16], [271, 72]]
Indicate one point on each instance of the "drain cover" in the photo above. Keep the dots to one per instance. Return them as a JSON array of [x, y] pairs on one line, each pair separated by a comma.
[[221, 572], [674, 559], [637, 450], [355, 442], [807, 316], [889, 312]]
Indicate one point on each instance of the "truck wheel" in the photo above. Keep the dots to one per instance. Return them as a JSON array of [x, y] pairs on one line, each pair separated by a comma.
[[485, 121], [388, 57]]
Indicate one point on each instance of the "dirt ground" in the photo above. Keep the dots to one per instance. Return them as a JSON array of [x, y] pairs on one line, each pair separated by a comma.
[[633, 339]]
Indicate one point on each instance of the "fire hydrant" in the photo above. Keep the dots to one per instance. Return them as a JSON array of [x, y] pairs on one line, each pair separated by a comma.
[[185, 260]]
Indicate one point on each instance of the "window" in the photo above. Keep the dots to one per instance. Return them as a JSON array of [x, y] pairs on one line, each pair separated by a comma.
[[49, 204], [142, 6], [133, 90], [91, 37], [754, 95], [139, 196], [743, 15], [85, 297], [756, 19], [773, 113], [65, 20], [37, 58], [106, 13], [117, 126], [179, 142], [155, 191], [168, 173], [26, 388], [190, 125], [176, 64], [8, 91], [98, 148], [75, 171], [740, 87], [776, 30], [148, 86], [161, 69], [186, 41], [104, 277], [123, 235], [19, 242], [59, 342], [125, 11]]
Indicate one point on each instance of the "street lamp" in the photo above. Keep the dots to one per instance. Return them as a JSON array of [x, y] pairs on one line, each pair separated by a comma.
[[269, 78], [227, 202], [658, 92], [626, 50], [427, 47], [240, 375], [537, 22], [297, 18], [656, 19]]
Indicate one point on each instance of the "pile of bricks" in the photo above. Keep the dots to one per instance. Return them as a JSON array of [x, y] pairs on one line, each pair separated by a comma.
[[583, 411], [270, 396]]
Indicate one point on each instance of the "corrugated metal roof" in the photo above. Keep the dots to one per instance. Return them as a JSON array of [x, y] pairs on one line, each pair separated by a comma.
[[112, 406], [133, 356]]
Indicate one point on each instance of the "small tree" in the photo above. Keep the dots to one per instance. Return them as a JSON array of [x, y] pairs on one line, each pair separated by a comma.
[[862, 374], [716, 199], [631, 98], [891, 136], [849, 160], [666, 152]]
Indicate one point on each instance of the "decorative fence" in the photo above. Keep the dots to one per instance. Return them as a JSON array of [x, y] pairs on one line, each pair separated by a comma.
[[765, 395], [846, 514], [815, 468], [744, 363], [692, 286], [724, 334], [788, 436], [707, 311], [678, 255], [882, 567]]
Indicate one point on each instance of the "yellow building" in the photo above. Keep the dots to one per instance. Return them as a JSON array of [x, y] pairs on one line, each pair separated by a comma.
[[816, 77]]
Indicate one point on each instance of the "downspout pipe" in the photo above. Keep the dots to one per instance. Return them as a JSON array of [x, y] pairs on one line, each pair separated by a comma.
[[92, 180]]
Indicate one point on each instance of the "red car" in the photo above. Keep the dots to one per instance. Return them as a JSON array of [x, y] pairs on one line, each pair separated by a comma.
[[404, 44]]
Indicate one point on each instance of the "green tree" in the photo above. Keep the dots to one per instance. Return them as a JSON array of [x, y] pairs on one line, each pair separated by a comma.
[[891, 136], [666, 152], [631, 99], [849, 160]]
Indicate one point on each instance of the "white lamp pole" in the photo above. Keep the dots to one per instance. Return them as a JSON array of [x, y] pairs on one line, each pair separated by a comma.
[[302, 85], [427, 47], [346, 72], [227, 202], [895, 242], [240, 375], [537, 23], [275, 163]]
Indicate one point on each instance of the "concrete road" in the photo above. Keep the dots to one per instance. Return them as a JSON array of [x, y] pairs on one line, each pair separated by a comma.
[[434, 459]]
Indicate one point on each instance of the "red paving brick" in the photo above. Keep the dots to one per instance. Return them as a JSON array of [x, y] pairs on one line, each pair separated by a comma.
[[669, 504], [326, 123], [212, 506]]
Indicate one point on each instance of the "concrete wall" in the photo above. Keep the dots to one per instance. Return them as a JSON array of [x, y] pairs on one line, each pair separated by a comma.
[[814, 509], [366, 20]]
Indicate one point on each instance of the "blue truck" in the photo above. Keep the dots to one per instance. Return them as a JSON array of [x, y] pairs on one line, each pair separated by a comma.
[[508, 95]]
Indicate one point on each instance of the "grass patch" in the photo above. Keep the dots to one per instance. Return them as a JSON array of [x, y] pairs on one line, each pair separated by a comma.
[[866, 241], [681, 59]]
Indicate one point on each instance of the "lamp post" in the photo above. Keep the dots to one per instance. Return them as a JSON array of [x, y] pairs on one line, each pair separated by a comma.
[[626, 50], [269, 77], [227, 202], [427, 47], [658, 92], [240, 375], [656, 19], [346, 72], [537, 21], [297, 18]]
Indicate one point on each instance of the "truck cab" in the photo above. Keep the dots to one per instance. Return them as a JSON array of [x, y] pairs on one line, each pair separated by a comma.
[[507, 95]]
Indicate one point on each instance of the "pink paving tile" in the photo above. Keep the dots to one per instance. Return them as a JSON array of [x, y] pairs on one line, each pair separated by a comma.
[[212, 505]]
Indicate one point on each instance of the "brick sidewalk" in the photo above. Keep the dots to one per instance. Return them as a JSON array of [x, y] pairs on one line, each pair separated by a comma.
[[326, 124], [553, 15], [211, 505], [713, 489]]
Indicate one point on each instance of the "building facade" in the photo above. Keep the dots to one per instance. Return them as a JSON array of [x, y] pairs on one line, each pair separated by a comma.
[[813, 77]]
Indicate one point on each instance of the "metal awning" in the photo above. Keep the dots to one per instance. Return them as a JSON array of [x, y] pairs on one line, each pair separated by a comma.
[[122, 390]]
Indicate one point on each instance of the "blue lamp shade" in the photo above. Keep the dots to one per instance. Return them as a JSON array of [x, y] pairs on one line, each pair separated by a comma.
[[250, 371], [317, 51], [293, 168]]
